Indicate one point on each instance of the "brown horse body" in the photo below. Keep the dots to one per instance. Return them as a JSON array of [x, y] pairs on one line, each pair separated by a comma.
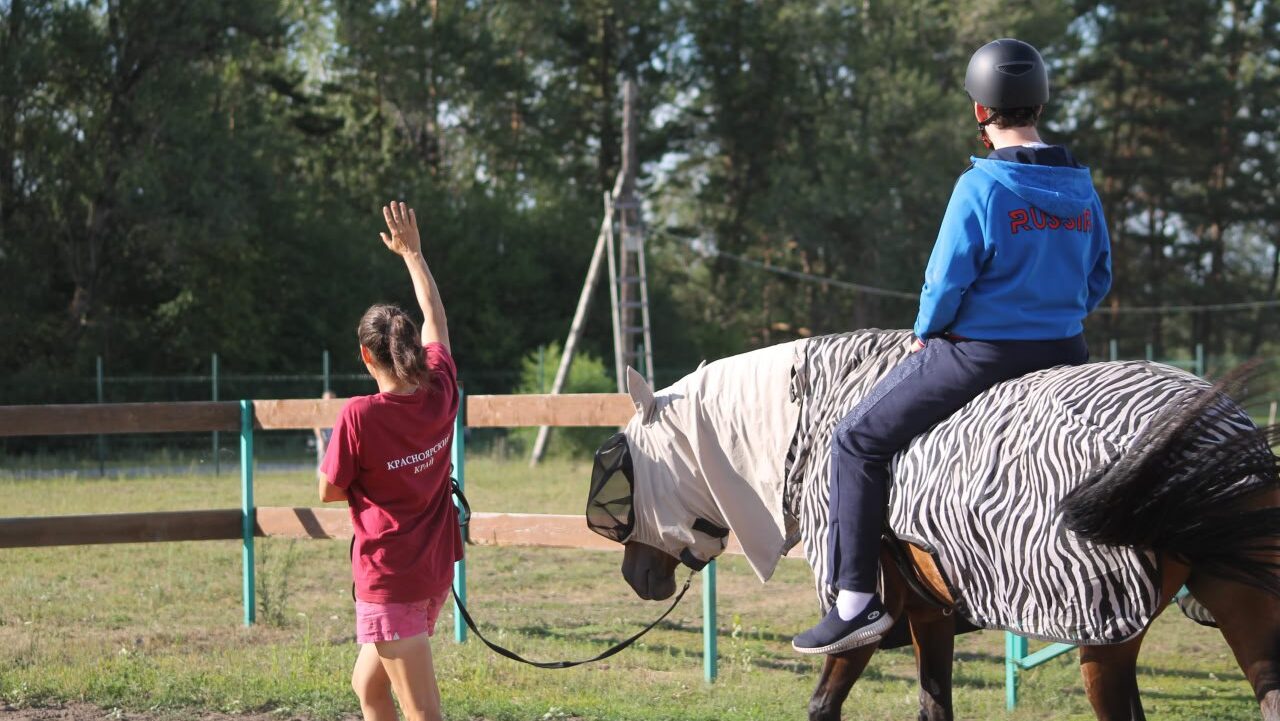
[[1248, 617], [1194, 482]]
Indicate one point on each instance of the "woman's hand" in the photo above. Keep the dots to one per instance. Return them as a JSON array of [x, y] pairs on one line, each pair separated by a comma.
[[405, 242], [917, 345], [403, 224]]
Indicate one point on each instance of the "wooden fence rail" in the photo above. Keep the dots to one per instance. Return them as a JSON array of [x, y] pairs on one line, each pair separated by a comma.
[[155, 527], [584, 409], [539, 530], [93, 418]]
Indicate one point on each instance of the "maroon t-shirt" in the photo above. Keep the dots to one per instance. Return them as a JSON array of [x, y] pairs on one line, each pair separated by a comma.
[[393, 455]]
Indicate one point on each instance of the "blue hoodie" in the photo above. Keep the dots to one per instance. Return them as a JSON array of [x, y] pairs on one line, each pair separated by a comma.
[[1023, 253]]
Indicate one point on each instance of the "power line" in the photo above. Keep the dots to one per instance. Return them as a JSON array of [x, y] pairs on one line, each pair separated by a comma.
[[708, 250], [1247, 305]]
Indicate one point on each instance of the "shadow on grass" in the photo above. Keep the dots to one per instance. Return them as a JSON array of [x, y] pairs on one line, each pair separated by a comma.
[[1183, 673], [798, 667], [1216, 697]]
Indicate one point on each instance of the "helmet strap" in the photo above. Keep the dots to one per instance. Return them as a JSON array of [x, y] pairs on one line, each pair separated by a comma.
[[982, 129]]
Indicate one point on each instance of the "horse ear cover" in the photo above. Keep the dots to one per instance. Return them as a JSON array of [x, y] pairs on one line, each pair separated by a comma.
[[641, 395]]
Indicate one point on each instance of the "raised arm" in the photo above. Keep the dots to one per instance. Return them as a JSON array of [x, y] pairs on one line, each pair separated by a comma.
[[405, 241]]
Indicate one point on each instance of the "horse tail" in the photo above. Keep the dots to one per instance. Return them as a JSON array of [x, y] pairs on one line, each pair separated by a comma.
[[1196, 486]]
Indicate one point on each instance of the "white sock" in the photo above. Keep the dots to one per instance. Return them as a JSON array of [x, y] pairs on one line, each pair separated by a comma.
[[852, 603]]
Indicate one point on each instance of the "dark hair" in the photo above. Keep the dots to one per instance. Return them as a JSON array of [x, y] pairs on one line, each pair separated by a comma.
[[392, 338], [1014, 117]]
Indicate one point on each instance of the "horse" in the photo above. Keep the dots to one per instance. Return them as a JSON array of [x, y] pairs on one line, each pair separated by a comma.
[[1141, 479]]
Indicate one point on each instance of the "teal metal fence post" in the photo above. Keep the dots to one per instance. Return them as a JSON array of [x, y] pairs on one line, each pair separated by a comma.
[[1150, 352], [1016, 658], [1115, 350], [459, 475], [102, 440], [709, 626], [248, 517], [1015, 648], [213, 370], [1200, 359], [324, 363]]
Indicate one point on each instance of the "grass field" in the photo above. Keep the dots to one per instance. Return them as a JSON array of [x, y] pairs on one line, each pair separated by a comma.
[[158, 627]]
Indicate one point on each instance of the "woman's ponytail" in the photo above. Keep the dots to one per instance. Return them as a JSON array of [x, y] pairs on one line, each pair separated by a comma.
[[392, 338], [406, 350]]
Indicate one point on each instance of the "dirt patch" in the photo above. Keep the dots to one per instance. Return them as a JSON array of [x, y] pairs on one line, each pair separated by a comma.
[[88, 712]]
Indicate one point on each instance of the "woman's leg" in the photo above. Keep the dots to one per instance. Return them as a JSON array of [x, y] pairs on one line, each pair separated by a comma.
[[409, 665], [373, 686]]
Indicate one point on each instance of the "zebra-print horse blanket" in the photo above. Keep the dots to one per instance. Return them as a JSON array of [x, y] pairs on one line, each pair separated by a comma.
[[981, 489]]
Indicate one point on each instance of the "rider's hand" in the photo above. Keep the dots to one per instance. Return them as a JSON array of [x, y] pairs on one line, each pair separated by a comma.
[[917, 345], [403, 224]]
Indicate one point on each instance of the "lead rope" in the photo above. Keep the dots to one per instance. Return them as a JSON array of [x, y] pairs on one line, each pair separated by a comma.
[[471, 624], [464, 512]]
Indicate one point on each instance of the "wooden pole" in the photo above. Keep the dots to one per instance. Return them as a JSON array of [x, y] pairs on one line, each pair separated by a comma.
[[624, 200], [623, 196], [619, 367], [575, 328]]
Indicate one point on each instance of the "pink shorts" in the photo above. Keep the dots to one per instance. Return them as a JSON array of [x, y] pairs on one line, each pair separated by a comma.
[[393, 621]]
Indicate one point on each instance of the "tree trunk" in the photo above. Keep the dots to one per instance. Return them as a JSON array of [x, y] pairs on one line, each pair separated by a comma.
[[10, 55], [604, 81]]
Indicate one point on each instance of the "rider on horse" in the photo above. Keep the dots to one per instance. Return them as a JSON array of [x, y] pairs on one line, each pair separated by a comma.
[[1022, 257]]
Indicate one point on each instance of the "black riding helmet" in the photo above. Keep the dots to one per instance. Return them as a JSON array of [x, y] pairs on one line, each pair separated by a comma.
[[1007, 73]]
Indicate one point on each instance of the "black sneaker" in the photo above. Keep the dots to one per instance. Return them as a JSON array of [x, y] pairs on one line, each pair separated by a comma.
[[833, 634]]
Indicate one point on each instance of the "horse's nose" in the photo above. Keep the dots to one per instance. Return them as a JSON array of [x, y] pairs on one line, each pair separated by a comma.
[[637, 575], [650, 580], [661, 586]]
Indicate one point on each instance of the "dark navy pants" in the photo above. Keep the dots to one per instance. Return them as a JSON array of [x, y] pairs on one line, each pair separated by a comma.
[[925, 388]]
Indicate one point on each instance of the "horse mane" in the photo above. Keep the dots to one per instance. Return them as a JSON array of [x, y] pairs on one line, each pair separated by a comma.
[[1193, 486]]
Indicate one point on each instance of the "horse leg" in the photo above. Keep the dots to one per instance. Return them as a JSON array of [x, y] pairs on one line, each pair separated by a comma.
[[933, 636], [1111, 680], [842, 670], [1250, 621], [1111, 672], [839, 673]]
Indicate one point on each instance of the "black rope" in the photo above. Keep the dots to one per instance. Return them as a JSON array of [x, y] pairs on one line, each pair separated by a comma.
[[508, 653], [464, 508]]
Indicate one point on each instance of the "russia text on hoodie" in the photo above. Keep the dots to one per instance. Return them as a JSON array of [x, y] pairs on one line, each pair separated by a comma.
[[1023, 253]]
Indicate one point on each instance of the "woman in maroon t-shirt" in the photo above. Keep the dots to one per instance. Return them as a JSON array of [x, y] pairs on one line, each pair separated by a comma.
[[389, 460]]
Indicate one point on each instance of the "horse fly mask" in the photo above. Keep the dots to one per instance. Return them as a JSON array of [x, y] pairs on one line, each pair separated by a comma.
[[610, 506]]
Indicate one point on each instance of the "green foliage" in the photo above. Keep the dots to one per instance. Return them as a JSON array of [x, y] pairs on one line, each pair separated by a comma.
[[587, 374], [183, 178], [273, 581]]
